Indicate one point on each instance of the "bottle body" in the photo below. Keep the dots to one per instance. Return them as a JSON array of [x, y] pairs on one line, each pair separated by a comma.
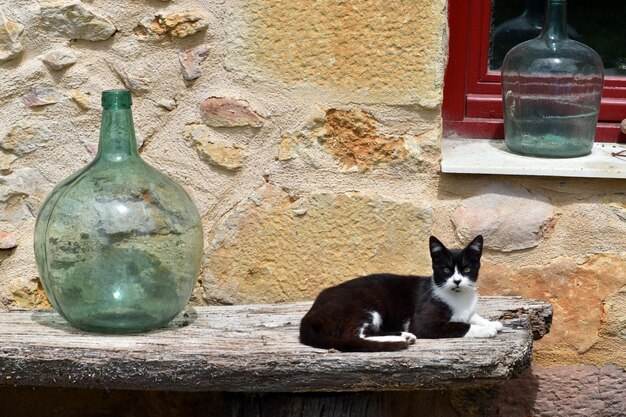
[[551, 91], [118, 244]]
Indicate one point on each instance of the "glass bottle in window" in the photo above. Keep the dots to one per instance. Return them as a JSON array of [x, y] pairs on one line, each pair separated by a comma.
[[551, 89], [118, 244]]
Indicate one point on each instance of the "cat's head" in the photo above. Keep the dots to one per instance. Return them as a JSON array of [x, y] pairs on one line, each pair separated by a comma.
[[456, 270]]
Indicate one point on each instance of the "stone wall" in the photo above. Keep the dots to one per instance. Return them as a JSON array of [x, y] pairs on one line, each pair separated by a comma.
[[309, 135]]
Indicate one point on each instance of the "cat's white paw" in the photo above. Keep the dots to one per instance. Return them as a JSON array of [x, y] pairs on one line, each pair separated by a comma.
[[481, 331], [479, 321], [497, 325], [409, 337]]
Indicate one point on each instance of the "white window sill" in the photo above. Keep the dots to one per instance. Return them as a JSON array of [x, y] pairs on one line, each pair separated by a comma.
[[491, 156]]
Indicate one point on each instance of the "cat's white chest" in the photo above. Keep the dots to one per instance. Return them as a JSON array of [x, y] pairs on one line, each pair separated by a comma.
[[463, 307], [461, 304]]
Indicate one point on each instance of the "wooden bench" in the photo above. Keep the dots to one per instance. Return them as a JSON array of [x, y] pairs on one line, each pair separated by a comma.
[[254, 349]]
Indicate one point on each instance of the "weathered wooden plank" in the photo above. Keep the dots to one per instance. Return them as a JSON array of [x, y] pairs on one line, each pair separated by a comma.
[[255, 348]]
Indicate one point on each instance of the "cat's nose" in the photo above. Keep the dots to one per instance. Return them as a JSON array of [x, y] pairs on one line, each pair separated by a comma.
[[457, 282]]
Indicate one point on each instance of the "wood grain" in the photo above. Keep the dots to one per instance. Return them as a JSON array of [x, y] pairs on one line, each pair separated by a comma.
[[255, 348]]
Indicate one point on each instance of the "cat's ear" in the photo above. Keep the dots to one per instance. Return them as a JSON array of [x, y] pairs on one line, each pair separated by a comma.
[[476, 245], [435, 245]]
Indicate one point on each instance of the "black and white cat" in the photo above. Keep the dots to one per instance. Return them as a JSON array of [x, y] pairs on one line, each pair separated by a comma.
[[386, 312]]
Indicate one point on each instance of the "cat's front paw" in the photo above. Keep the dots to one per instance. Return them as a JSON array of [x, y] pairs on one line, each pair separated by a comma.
[[497, 325], [409, 337], [481, 331]]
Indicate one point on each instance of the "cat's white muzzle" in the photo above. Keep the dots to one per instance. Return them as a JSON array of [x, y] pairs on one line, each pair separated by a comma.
[[459, 283]]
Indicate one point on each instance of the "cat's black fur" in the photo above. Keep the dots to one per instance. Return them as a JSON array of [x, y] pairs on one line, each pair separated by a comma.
[[340, 315]]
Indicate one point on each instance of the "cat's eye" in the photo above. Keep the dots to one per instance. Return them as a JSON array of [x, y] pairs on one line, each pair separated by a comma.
[[446, 270], [466, 270]]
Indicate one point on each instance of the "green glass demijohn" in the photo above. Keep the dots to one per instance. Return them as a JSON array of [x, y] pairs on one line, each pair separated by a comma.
[[118, 244], [551, 90]]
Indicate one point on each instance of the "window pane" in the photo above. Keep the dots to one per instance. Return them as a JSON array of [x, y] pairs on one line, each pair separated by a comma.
[[597, 23]]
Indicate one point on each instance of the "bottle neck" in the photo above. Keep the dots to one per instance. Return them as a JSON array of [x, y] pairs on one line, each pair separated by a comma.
[[555, 24], [117, 135]]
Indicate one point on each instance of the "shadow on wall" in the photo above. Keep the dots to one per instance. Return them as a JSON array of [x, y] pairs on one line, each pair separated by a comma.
[[561, 391], [43, 402], [517, 397], [572, 390]]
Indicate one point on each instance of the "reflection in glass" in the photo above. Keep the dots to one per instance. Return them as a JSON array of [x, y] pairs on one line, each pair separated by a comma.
[[599, 25], [524, 27]]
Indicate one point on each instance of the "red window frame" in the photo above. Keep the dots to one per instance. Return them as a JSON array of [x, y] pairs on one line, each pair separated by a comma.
[[472, 102]]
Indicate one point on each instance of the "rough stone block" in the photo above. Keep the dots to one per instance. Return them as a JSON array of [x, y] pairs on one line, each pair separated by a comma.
[[276, 247], [23, 139], [10, 34], [585, 297], [24, 182], [27, 294], [162, 26], [382, 52], [41, 96], [81, 99], [212, 150], [229, 112], [72, 19], [168, 104], [509, 216], [137, 84], [614, 319], [190, 60], [352, 137], [6, 160], [7, 240], [59, 59]]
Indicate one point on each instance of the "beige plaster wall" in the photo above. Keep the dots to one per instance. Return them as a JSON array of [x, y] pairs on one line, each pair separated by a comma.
[[310, 140]]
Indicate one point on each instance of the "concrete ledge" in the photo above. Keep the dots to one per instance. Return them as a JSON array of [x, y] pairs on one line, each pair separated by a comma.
[[490, 156]]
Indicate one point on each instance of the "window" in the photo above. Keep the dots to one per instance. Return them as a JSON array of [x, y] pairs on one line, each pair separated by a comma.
[[472, 105]]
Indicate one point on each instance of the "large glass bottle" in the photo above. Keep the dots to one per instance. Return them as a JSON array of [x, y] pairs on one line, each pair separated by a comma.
[[551, 89], [118, 244]]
